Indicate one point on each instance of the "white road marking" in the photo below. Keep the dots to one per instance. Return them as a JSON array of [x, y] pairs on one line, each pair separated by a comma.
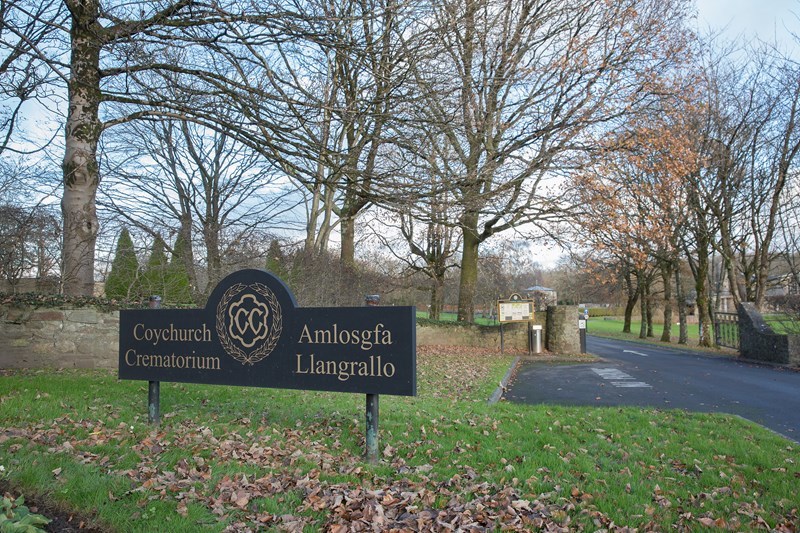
[[631, 384], [611, 373], [635, 353], [620, 379]]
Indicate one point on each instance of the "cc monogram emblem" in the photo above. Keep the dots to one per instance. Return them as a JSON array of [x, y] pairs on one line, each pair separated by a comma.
[[249, 322]]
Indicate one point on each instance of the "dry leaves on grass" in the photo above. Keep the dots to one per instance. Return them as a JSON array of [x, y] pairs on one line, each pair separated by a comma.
[[463, 368], [233, 472], [367, 503]]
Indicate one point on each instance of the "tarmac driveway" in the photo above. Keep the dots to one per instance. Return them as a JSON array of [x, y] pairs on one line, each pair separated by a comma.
[[648, 375]]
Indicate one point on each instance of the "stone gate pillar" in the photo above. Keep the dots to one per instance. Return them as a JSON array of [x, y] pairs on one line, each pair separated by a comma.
[[561, 335]]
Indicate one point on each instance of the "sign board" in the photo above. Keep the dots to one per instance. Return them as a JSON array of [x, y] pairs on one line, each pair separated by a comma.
[[515, 309], [581, 323], [251, 333]]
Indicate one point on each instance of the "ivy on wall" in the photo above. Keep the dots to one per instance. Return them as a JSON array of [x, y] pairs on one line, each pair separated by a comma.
[[61, 301]]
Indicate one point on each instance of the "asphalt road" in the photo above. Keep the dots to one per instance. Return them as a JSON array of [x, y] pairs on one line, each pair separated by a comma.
[[647, 375]]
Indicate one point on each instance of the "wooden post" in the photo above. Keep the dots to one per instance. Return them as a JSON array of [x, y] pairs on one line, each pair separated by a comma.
[[154, 387]]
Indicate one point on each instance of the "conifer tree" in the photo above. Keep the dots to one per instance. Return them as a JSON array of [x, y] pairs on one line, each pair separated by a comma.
[[123, 281], [276, 261], [154, 279], [179, 285]]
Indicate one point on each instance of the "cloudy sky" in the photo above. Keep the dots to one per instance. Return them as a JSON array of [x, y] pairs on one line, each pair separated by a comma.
[[765, 19]]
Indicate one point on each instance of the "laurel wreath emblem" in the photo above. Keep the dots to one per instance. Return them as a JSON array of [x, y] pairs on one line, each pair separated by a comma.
[[270, 342]]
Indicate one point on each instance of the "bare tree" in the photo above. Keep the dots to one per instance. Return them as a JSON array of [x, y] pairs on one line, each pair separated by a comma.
[[215, 193], [751, 142], [327, 93], [424, 241], [517, 89], [107, 58], [27, 28], [29, 243], [781, 144]]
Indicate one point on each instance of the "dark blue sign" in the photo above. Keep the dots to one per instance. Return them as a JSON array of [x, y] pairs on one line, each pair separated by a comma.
[[251, 333]]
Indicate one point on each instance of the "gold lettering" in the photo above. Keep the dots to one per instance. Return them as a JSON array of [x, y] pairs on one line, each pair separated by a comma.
[[366, 339], [324, 336], [171, 334], [343, 369], [304, 335], [202, 362], [300, 370]]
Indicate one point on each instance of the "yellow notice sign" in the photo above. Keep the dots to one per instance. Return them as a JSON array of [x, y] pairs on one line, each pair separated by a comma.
[[515, 310]]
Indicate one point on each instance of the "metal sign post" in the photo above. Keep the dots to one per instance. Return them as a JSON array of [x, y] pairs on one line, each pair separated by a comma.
[[154, 387], [372, 414], [372, 428], [582, 331]]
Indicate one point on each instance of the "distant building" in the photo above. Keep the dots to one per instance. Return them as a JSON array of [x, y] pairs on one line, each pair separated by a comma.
[[542, 296], [782, 285]]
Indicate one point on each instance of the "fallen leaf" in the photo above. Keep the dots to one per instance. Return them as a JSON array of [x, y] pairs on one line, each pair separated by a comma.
[[182, 509]]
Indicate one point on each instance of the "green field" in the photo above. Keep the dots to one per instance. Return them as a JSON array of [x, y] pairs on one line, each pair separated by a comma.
[[453, 317], [613, 327], [235, 459], [783, 324]]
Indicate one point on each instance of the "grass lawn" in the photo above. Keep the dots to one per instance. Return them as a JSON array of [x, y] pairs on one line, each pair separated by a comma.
[[783, 324], [234, 459], [453, 317], [613, 326]]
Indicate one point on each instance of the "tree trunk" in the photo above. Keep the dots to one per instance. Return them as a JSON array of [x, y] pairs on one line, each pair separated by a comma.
[[348, 232], [729, 260], [683, 330], [643, 292], [469, 270], [312, 217], [187, 259], [81, 136], [701, 287], [650, 332], [213, 257], [633, 295], [437, 298], [666, 276]]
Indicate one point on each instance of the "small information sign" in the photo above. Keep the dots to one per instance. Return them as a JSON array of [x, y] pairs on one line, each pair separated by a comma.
[[515, 309]]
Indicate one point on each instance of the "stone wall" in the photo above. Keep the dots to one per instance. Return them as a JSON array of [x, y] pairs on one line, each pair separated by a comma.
[[757, 341], [515, 335], [562, 335], [89, 338], [58, 338]]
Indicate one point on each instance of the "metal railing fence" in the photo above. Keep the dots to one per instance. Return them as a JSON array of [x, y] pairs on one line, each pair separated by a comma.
[[726, 330]]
